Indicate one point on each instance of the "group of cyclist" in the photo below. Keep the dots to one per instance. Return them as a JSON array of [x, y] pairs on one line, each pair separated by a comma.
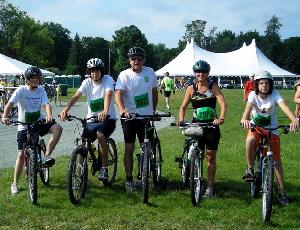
[[136, 92]]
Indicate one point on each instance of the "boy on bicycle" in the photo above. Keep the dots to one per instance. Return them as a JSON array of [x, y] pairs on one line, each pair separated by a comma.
[[99, 90], [30, 98], [261, 106]]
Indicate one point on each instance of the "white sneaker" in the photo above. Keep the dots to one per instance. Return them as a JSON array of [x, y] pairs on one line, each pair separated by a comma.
[[14, 189], [208, 193], [129, 186]]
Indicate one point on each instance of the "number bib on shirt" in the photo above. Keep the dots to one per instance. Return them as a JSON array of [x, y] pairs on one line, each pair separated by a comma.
[[262, 120], [204, 113], [141, 100], [97, 105], [31, 117]]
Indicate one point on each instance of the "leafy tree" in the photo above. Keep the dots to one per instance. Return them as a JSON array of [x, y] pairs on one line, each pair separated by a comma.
[[291, 55], [223, 42], [62, 43], [76, 62], [123, 40]]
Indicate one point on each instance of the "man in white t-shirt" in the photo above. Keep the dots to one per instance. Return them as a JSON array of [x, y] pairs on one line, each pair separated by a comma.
[[261, 105], [136, 92], [98, 89], [30, 99]]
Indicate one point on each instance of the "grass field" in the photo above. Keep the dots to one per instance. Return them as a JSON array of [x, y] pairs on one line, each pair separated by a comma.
[[170, 206]]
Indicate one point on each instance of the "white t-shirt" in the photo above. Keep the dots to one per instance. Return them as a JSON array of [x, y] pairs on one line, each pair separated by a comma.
[[29, 103], [265, 109], [137, 90], [96, 94]]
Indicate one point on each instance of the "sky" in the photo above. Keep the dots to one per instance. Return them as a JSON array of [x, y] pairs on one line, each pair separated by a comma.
[[163, 21]]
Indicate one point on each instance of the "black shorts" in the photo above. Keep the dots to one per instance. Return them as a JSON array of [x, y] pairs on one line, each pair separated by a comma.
[[106, 128], [210, 139], [167, 93], [131, 128], [39, 130]]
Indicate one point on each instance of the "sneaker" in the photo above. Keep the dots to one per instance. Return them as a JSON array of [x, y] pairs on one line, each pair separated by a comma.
[[129, 186], [103, 174], [249, 175], [49, 161], [14, 189], [208, 193], [282, 199], [168, 107]]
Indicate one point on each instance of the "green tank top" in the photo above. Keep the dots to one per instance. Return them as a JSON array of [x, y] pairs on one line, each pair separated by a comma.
[[169, 85]]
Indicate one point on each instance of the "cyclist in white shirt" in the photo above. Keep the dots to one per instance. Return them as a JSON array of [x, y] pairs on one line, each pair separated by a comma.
[[30, 99], [136, 92], [98, 89]]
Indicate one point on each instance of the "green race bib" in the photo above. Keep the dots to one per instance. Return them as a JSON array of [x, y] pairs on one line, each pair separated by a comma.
[[204, 114], [141, 100], [262, 120], [31, 117], [97, 105]]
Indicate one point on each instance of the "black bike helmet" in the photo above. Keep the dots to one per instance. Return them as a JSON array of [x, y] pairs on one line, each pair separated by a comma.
[[136, 51], [32, 71], [201, 66]]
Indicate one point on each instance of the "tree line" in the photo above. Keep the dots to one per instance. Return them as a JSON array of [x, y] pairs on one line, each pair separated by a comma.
[[50, 46]]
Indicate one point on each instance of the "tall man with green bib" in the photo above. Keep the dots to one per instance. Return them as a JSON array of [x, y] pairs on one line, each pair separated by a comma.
[[167, 84], [136, 92]]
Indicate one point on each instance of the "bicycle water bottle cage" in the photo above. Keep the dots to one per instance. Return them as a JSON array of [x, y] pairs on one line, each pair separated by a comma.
[[193, 131]]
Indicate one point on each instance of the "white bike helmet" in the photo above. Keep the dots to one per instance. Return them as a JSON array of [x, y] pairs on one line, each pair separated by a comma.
[[263, 75], [95, 63]]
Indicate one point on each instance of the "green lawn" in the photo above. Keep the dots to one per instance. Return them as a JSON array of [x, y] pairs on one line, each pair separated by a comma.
[[170, 207]]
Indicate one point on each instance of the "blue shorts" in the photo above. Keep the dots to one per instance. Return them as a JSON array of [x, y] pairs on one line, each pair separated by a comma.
[[106, 128], [39, 130]]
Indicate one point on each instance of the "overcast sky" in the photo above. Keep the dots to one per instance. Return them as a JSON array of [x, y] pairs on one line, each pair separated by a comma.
[[163, 21]]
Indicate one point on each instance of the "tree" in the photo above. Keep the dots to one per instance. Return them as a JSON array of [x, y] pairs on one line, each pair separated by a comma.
[[291, 55], [123, 40], [76, 63], [223, 42]]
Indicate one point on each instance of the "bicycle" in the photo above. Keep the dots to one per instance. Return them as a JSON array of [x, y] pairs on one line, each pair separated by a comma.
[[264, 169], [77, 175], [4, 97], [34, 158], [150, 157], [191, 160]]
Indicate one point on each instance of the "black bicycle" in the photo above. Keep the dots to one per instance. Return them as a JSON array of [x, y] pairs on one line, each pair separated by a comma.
[[4, 97], [191, 160], [34, 158], [77, 175], [264, 169], [150, 157]]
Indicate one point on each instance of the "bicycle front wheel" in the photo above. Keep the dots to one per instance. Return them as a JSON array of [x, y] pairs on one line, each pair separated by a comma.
[[196, 182], [44, 171], [31, 167], [156, 162], [112, 161], [267, 189], [185, 167], [77, 175], [145, 173]]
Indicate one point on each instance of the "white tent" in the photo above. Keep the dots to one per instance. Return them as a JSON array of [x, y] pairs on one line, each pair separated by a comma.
[[244, 61], [10, 66]]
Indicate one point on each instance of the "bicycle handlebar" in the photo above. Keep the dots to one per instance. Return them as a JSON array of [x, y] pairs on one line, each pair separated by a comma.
[[15, 122], [83, 120], [152, 117], [195, 124], [286, 128]]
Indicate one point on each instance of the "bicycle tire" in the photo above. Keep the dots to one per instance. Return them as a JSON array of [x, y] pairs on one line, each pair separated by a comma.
[[145, 173], [195, 177], [156, 163], [31, 166], [77, 175], [112, 161], [267, 189], [185, 167], [43, 171]]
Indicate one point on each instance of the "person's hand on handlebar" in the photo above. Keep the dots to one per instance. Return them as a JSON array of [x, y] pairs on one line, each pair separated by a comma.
[[102, 116], [246, 124], [5, 120], [294, 126], [49, 118], [63, 115]]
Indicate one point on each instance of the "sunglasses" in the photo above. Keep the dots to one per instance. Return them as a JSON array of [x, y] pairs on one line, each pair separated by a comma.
[[136, 59], [201, 71]]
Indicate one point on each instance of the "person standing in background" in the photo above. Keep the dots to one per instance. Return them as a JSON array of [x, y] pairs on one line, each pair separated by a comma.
[[248, 87], [167, 83]]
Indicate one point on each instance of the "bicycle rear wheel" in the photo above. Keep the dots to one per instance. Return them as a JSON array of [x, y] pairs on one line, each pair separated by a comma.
[[156, 163], [77, 175], [267, 189], [112, 161], [31, 167], [196, 182], [145, 173]]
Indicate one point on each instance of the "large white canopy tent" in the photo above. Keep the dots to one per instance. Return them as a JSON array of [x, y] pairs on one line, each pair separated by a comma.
[[10, 66], [242, 62]]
